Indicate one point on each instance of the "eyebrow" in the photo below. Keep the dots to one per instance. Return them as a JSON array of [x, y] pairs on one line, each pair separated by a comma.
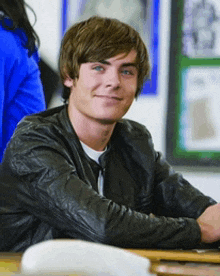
[[126, 64]]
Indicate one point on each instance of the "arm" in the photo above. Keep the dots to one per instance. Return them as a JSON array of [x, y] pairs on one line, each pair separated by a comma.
[[175, 196], [28, 97]]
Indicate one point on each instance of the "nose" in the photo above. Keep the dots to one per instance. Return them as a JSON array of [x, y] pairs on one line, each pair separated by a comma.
[[113, 79]]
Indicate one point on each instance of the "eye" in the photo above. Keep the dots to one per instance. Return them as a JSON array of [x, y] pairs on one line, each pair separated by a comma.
[[127, 72], [98, 68]]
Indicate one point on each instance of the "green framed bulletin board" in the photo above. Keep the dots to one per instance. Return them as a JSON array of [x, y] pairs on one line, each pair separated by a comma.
[[193, 117]]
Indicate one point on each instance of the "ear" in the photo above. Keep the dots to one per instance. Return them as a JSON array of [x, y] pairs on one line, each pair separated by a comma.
[[68, 82]]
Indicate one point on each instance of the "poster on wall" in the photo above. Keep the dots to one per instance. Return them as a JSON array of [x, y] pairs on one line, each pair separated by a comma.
[[193, 125], [143, 15]]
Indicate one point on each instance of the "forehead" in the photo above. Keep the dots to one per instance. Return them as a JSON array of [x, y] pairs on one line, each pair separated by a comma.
[[124, 57]]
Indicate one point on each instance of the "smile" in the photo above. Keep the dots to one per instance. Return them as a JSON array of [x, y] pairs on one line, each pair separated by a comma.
[[107, 97]]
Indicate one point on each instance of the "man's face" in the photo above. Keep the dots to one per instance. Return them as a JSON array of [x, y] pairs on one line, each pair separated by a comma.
[[104, 90]]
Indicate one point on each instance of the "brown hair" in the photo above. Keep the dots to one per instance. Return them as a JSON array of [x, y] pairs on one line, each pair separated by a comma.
[[98, 39]]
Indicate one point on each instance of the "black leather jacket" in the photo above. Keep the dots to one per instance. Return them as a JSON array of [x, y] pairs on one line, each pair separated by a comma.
[[48, 190]]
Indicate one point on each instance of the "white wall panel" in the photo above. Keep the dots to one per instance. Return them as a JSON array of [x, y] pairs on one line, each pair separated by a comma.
[[48, 27]]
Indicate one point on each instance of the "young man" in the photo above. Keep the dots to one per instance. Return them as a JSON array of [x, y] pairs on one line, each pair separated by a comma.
[[49, 185]]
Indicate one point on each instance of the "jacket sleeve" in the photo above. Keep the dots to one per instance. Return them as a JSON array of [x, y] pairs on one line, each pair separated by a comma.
[[21, 90], [174, 195], [38, 176]]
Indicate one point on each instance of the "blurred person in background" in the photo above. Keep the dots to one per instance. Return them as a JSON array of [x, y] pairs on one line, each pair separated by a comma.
[[21, 90]]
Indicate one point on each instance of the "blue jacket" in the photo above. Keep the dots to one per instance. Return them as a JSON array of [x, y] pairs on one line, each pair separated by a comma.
[[21, 91]]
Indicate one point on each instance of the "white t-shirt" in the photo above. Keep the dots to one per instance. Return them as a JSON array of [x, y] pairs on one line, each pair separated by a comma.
[[94, 155]]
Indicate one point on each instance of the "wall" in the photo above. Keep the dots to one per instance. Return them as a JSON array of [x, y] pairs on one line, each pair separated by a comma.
[[48, 27], [151, 111]]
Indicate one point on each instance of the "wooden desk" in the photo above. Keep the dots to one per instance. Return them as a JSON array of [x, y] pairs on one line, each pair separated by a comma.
[[182, 262], [202, 256], [187, 269], [10, 262], [164, 262]]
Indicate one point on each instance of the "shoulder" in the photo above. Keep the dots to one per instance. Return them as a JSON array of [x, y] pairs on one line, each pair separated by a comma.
[[43, 117], [13, 52], [46, 124], [133, 128], [134, 142], [132, 134], [13, 44], [36, 131], [9, 42]]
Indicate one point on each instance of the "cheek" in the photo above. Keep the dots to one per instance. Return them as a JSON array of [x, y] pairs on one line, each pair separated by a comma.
[[84, 88], [131, 90], [131, 86], [90, 81]]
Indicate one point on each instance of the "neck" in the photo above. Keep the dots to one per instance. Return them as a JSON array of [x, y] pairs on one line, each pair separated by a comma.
[[93, 133]]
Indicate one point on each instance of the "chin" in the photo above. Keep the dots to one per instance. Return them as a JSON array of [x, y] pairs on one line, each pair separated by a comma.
[[110, 117], [109, 121]]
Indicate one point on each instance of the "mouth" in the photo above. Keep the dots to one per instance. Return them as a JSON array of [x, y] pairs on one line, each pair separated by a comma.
[[109, 97]]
